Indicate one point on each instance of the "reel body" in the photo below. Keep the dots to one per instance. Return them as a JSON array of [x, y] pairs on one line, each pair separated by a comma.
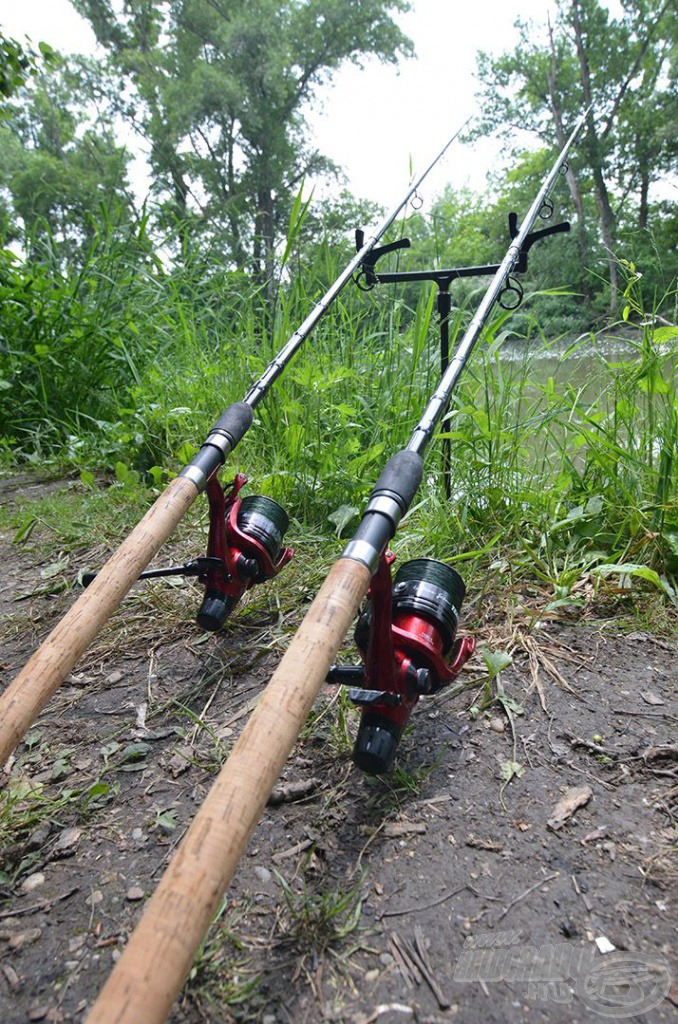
[[406, 637], [245, 546]]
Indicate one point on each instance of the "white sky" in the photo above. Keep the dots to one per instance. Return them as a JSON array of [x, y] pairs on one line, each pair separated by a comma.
[[379, 122]]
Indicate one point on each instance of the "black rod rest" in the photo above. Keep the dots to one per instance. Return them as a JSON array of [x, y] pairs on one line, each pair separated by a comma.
[[510, 298], [368, 276]]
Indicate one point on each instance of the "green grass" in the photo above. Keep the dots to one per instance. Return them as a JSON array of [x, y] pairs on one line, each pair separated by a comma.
[[121, 366]]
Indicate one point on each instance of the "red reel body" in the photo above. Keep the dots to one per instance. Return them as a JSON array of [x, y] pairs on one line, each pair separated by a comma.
[[244, 547], [406, 637]]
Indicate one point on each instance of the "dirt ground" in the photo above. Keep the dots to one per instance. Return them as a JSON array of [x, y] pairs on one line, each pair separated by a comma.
[[520, 864]]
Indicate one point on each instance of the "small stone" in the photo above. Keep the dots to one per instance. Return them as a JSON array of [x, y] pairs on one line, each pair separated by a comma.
[[33, 882], [94, 898], [113, 678], [371, 976], [497, 725], [38, 1013], [134, 894], [76, 943], [269, 1018], [386, 959], [25, 938], [67, 842], [262, 873], [13, 979], [137, 834]]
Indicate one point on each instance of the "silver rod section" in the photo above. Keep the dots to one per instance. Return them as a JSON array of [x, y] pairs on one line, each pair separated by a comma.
[[436, 408], [273, 371]]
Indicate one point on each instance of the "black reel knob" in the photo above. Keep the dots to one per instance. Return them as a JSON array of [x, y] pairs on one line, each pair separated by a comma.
[[215, 609], [376, 743]]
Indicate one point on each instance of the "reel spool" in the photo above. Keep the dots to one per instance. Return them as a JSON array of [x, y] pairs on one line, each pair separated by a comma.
[[426, 601], [247, 536]]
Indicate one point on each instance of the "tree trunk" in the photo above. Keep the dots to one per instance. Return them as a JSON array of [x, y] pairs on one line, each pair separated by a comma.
[[573, 185], [607, 218]]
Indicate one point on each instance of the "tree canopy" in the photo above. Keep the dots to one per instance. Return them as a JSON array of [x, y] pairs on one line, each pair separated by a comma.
[[221, 92], [623, 69]]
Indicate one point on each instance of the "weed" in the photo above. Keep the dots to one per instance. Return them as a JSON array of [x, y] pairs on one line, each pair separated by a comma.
[[319, 918], [220, 976]]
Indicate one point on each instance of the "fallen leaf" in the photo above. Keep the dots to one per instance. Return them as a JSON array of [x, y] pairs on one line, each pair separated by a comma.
[[571, 801], [181, 760]]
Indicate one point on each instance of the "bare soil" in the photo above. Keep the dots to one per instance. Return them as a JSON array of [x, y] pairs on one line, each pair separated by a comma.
[[447, 891]]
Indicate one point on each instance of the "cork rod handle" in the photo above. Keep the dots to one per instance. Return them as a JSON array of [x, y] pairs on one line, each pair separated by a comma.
[[149, 975], [27, 694]]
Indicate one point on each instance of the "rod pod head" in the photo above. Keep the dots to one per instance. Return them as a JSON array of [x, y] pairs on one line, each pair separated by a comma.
[[426, 601], [247, 536]]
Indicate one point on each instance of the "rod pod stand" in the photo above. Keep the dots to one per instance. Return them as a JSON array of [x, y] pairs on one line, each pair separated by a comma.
[[509, 298]]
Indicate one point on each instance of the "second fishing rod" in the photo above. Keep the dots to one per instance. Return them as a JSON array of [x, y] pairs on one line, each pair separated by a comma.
[[406, 634], [245, 544]]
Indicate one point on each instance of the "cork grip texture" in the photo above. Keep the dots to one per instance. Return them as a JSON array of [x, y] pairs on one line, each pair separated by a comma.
[[149, 975], [28, 693]]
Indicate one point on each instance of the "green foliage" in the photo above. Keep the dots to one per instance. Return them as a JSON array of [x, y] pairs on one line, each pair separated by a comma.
[[123, 365], [61, 167], [622, 66], [18, 64]]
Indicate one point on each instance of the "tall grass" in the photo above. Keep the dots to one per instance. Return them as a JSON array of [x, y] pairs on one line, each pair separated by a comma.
[[124, 362]]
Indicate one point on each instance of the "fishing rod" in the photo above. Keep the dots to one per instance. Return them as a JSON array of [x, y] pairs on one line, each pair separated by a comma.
[[158, 956], [245, 537]]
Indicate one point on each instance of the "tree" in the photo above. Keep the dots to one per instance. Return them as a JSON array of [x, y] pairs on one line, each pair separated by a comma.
[[622, 69], [59, 161], [18, 63], [221, 91]]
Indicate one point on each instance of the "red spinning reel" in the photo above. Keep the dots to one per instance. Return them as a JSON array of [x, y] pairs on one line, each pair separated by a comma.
[[406, 637], [244, 547]]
